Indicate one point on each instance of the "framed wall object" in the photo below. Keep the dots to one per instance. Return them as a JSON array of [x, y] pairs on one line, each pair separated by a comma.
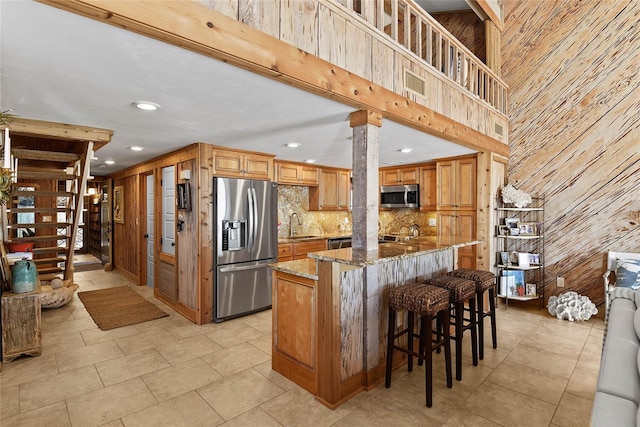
[[118, 204], [184, 196]]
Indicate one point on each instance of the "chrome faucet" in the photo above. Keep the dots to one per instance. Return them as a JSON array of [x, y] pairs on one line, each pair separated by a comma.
[[292, 229], [415, 229]]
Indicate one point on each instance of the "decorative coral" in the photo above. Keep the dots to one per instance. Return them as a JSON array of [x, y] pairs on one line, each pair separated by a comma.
[[512, 195], [571, 306]]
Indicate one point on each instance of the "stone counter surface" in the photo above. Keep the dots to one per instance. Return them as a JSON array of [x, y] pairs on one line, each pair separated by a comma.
[[306, 267], [385, 252]]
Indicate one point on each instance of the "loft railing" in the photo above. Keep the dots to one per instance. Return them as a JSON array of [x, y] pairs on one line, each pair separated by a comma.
[[410, 26]]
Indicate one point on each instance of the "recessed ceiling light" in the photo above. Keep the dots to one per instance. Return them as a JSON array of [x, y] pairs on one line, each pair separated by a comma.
[[406, 150], [146, 105], [109, 162], [293, 145], [136, 148], [310, 161]]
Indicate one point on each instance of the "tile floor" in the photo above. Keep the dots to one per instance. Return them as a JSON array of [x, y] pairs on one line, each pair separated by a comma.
[[170, 372]]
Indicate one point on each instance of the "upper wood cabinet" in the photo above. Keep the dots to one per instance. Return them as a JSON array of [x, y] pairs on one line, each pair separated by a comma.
[[456, 184], [428, 187], [332, 192], [399, 176], [296, 174], [241, 164]]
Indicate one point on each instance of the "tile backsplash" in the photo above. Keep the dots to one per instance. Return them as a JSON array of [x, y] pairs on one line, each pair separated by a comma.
[[294, 198]]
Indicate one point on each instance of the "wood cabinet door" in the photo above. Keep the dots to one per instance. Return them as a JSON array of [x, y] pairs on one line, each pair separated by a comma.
[[390, 177], [287, 173], [428, 187], [259, 167], [408, 176], [445, 173], [301, 249], [308, 175], [228, 163], [285, 252], [466, 184], [344, 190], [466, 229], [446, 224], [328, 189]]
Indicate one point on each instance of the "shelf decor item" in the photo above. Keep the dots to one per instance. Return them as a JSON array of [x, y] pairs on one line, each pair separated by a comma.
[[511, 195]]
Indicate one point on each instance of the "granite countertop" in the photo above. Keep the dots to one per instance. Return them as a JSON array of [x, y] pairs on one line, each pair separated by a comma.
[[307, 238], [306, 267], [386, 251], [393, 250]]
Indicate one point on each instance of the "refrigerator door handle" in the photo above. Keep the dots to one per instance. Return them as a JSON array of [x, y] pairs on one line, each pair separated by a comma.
[[255, 213], [252, 219], [245, 267]]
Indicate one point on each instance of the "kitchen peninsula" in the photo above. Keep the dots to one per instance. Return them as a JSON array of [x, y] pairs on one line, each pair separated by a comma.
[[329, 312]]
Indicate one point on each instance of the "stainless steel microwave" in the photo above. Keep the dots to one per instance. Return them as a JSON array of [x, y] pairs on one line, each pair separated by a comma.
[[400, 196]]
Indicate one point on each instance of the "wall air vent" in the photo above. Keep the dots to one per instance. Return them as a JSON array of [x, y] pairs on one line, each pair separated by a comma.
[[498, 129], [415, 84]]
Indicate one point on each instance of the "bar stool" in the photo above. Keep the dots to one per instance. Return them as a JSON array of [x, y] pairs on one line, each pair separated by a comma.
[[484, 280], [429, 302], [460, 291]]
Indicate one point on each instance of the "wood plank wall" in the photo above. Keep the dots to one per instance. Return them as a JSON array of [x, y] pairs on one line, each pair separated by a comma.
[[466, 27], [573, 69]]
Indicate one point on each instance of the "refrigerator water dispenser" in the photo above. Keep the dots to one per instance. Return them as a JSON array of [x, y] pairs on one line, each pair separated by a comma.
[[234, 235]]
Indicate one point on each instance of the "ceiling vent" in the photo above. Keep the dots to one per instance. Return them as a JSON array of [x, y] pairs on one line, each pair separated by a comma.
[[415, 84]]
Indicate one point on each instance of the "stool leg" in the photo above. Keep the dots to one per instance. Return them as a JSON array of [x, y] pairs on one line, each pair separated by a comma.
[[410, 340], [458, 317], [480, 312], [423, 332], [492, 308], [428, 356], [444, 320], [390, 335], [474, 331]]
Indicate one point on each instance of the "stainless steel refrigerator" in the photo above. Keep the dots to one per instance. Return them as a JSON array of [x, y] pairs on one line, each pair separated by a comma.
[[246, 241]]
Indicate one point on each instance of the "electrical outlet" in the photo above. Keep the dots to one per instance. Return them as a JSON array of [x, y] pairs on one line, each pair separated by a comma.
[[560, 282], [432, 222]]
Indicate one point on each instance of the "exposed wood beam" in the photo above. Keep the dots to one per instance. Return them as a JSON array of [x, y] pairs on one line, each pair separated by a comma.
[[491, 13], [195, 27], [61, 131], [493, 46]]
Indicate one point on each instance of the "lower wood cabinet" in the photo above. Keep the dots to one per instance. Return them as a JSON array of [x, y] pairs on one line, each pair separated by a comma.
[[461, 224], [299, 250], [21, 325], [294, 311]]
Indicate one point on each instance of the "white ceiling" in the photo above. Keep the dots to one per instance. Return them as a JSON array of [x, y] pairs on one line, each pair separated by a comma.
[[61, 67]]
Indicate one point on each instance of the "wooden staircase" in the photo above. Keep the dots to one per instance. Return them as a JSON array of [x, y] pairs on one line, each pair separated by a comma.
[[50, 190]]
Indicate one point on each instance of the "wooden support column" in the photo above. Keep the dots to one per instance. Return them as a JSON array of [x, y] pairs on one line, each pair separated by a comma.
[[492, 35], [365, 126]]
